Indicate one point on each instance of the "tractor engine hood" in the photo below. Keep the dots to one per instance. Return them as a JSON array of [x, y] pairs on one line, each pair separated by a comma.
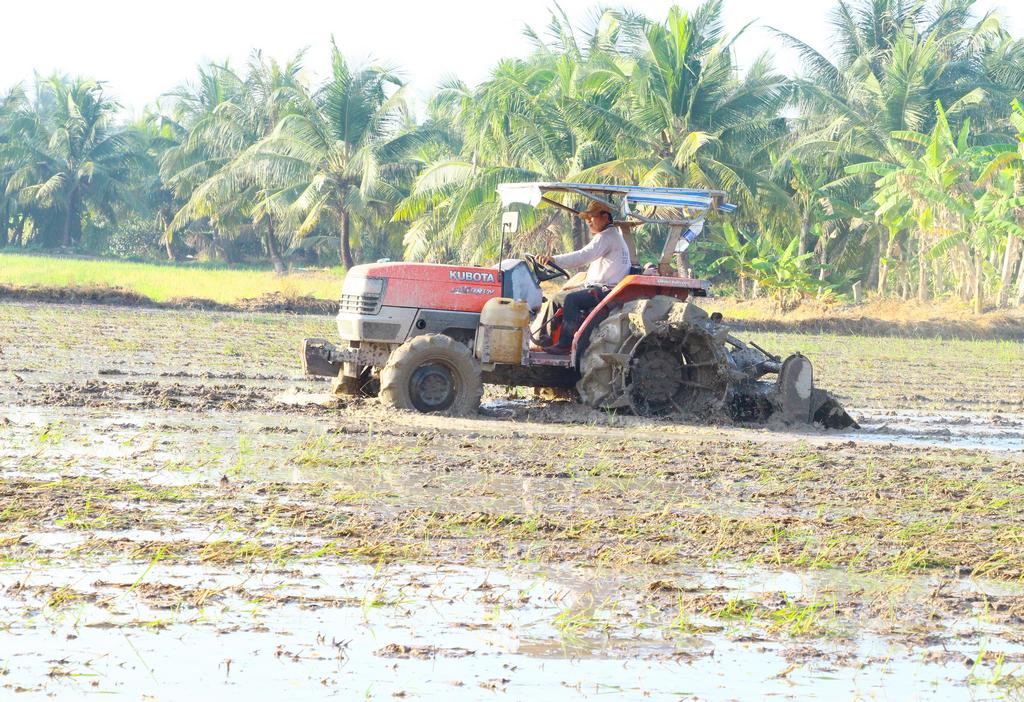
[[425, 285]]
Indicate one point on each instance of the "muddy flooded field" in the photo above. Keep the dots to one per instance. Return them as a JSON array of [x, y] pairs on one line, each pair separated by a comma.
[[182, 517]]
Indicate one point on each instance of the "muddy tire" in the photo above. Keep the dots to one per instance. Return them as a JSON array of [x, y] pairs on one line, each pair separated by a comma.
[[433, 374], [654, 357]]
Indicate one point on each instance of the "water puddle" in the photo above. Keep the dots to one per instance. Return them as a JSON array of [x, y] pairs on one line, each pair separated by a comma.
[[969, 430], [429, 633]]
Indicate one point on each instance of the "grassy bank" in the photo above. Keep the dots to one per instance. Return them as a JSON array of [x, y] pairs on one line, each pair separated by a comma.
[[164, 282], [947, 318], [74, 280]]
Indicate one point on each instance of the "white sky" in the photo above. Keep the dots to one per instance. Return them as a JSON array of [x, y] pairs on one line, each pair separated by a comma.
[[142, 53]]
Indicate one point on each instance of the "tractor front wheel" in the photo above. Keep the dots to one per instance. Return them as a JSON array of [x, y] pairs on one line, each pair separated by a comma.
[[432, 373]]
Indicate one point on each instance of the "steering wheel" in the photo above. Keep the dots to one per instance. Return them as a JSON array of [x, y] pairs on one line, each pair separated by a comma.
[[544, 272]]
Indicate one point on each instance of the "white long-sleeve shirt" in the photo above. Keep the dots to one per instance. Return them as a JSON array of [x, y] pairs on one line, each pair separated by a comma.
[[607, 254]]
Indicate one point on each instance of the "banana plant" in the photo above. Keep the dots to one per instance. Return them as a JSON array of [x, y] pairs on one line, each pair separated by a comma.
[[1005, 164], [783, 274], [736, 256], [930, 183]]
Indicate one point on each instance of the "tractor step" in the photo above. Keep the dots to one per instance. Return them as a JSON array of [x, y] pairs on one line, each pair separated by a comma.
[[539, 358]]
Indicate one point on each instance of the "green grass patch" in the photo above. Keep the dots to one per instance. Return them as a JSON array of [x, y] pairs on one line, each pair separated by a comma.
[[165, 281]]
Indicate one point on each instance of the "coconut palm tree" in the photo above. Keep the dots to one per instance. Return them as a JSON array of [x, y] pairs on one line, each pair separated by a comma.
[[155, 136], [691, 119], [229, 115], [325, 160], [69, 155], [203, 111], [894, 62], [12, 216], [623, 100], [523, 123]]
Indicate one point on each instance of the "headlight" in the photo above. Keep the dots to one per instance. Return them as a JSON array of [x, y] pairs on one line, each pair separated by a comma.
[[362, 286]]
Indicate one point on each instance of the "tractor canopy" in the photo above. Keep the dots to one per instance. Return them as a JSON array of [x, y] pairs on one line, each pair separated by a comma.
[[635, 204]]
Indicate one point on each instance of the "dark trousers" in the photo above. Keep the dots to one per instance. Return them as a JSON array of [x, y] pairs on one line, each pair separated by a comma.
[[575, 308]]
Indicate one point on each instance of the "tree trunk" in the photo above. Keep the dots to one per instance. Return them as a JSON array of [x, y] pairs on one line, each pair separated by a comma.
[[1009, 263], [66, 234], [805, 233], [822, 260], [346, 247], [683, 262], [272, 249], [163, 221], [578, 233], [979, 278], [966, 272], [883, 261], [1018, 215], [9, 232], [18, 233], [938, 282], [222, 246], [1020, 285], [73, 219], [870, 280], [922, 273]]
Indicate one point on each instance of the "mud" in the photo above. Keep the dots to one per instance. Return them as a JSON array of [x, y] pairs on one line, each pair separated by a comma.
[[173, 485]]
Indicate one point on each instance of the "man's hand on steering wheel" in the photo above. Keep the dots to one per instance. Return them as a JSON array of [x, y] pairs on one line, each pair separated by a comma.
[[545, 268]]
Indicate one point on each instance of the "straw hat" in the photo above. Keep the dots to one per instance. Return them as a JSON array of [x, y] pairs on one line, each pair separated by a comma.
[[594, 208]]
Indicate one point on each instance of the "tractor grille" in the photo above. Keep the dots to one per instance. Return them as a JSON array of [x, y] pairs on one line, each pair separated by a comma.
[[367, 303]]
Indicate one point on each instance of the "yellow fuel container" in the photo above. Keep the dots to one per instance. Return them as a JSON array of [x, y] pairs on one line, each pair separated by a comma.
[[504, 331]]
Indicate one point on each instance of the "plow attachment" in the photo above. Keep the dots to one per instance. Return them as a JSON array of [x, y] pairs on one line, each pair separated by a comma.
[[792, 397], [660, 356]]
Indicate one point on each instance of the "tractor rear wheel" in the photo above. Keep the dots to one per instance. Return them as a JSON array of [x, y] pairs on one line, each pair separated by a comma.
[[432, 373], [654, 357]]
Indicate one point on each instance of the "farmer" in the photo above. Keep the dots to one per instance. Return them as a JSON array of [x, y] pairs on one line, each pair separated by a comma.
[[608, 257]]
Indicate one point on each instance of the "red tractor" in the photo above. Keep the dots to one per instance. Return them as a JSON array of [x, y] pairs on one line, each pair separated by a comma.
[[427, 337]]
